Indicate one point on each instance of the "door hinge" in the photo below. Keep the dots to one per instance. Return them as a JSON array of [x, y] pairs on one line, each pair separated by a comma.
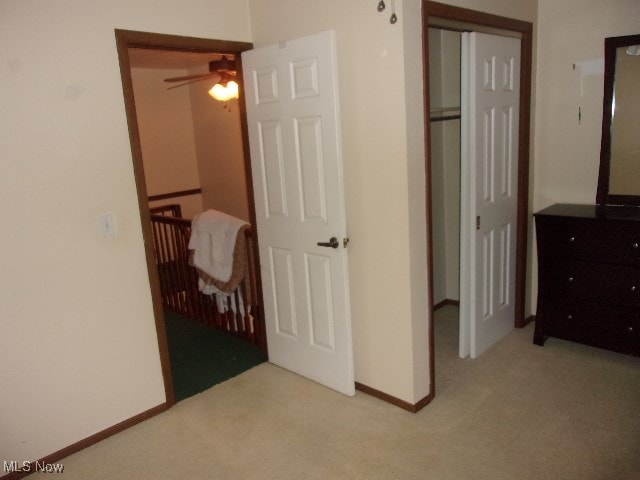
[[478, 222], [345, 242]]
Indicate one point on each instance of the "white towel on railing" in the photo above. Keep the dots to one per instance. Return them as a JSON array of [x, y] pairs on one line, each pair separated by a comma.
[[224, 301], [213, 239]]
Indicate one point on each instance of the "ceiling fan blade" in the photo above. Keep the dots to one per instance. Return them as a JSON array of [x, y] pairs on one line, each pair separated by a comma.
[[213, 75], [191, 77]]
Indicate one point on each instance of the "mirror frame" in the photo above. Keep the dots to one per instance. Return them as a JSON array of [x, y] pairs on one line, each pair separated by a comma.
[[603, 197]]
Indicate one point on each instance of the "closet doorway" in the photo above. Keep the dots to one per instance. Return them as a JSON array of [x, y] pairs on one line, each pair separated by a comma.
[[442, 27], [445, 155]]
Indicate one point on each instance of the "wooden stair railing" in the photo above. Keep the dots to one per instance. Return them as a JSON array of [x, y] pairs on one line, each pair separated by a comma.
[[179, 280]]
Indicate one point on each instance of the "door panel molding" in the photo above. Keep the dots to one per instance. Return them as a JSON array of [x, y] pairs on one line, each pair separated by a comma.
[[494, 62], [307, 108]]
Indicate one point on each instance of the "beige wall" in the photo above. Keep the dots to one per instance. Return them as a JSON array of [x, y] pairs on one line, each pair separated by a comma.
[[166, 127], [218, 138], [519, 9], [190, 140], [80, 352], [568, 151], [416, 188]]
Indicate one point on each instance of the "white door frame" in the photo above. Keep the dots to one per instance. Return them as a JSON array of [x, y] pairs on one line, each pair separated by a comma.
[[454, 18]]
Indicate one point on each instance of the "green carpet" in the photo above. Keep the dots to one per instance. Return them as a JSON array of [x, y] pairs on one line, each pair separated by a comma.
[[202, 357]]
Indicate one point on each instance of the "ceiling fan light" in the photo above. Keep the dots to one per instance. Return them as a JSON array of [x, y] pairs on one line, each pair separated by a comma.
[[224, 93], [232, 88]]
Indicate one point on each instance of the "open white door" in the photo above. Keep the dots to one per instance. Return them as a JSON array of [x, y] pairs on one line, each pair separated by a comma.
[[490, 112], [296, 162]]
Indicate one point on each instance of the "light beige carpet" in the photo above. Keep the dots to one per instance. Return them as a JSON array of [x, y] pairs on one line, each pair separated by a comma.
[[562, 411]]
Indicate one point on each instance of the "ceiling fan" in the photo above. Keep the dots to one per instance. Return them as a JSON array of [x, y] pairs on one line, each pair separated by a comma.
[[222, 71]]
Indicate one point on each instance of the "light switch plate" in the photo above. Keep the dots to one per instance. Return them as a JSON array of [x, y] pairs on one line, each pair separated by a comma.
[[107, 224]]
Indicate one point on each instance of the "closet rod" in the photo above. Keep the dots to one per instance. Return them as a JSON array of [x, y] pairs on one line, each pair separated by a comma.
[[441, 119]]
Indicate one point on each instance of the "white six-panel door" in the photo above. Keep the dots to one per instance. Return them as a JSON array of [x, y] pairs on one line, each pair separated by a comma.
[[296, 162], [491, 91]]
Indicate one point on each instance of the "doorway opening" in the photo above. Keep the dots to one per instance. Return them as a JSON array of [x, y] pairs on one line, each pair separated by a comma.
[[445, 155], [182, 163], [454, 20]]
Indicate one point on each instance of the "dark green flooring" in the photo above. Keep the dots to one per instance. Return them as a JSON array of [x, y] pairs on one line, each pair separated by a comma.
[[202, 357]]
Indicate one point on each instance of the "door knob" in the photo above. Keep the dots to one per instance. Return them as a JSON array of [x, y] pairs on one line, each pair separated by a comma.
[[333, 243]]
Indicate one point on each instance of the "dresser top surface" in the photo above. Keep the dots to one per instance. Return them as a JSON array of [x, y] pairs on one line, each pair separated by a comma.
[[596, 212]]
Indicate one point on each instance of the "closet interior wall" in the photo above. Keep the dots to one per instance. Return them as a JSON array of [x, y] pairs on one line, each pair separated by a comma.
[[444, 86]]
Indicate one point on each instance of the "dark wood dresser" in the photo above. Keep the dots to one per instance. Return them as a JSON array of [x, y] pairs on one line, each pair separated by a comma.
[[589, 276]]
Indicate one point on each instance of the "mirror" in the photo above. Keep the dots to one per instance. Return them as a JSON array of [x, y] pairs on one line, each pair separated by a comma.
[[619, 178]]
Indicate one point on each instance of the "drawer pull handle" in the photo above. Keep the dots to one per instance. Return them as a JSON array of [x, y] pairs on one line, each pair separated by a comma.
[[571, 279], [573, 239]]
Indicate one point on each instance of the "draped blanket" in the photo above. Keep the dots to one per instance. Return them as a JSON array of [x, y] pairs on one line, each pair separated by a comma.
[[217, 249]]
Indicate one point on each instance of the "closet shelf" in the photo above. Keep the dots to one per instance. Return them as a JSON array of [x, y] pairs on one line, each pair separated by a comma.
[[440, 114]]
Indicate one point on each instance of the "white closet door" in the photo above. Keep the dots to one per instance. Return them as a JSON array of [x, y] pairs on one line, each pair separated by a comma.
[[490, 103]]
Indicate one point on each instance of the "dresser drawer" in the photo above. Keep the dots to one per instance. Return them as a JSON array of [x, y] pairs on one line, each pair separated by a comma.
[[568, 238], [598, 325], [622, 243], [590, 281], [584, 239]]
